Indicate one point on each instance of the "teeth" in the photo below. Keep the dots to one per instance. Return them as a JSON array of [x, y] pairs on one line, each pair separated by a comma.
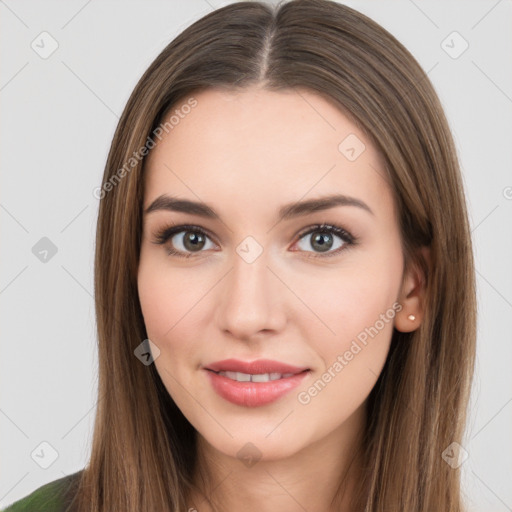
[[240, 377], [262, 377]]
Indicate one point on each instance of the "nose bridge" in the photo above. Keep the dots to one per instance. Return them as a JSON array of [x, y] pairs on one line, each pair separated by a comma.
[[249, 300]]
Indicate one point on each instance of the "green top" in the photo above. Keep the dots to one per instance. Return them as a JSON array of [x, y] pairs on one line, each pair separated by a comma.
[[55, 496]]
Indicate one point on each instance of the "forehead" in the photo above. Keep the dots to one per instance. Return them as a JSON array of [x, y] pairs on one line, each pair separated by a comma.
[[258, 143]]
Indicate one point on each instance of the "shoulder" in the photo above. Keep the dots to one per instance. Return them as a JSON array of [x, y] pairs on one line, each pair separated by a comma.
[[54, 496]]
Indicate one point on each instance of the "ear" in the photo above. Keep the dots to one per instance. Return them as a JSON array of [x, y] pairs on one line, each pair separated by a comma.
[[412, 296]]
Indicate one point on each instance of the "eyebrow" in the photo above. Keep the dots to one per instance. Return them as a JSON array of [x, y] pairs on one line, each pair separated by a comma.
[[288, 211]]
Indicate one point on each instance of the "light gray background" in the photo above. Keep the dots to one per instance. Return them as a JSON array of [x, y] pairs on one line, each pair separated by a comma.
[[58, 118]]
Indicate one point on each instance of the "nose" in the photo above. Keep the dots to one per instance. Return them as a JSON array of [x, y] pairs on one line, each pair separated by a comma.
[[251, 299]]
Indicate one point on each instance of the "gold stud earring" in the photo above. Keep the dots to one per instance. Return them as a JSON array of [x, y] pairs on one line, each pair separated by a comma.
[[411, 318]]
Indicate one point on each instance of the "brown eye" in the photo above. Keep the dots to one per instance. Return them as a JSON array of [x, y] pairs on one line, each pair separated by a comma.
[[192, 241]]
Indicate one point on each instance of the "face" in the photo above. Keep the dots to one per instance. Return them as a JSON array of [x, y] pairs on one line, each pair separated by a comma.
[[251, 284]]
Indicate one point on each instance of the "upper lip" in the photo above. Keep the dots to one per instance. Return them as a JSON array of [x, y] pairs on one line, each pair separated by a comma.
[[257, 367]]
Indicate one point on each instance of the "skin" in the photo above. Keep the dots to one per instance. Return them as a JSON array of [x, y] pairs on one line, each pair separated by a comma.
[[287, 305]]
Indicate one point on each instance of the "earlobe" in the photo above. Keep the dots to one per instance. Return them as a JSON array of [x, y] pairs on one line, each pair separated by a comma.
[[407, 322], [412, 297]]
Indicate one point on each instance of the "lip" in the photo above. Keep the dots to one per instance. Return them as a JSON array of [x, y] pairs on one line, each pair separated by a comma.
[[253, 394], [254, 367]]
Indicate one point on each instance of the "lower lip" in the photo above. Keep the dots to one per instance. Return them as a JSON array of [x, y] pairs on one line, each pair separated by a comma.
[[253, 394]]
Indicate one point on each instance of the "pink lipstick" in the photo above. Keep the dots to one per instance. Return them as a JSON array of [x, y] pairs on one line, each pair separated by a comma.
[[255, 383]]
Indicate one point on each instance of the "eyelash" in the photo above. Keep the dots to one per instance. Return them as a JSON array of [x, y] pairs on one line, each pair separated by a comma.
[[167, 232]]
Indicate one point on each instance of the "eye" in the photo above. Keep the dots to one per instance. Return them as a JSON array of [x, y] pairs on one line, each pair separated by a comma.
[[188, 239], [323, 239], [183, 238]]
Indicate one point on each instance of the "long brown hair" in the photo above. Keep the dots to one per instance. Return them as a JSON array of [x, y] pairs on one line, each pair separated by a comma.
[[143, 449]]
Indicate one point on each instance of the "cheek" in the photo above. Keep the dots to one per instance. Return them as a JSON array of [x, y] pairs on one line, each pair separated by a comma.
[[166, 296], [351, 330], [350, 361], [162, 314], [155, 302], [346, 304], [171, 300], [354, 357]]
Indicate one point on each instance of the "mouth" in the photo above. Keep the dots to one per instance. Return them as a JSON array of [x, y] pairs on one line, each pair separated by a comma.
[[256, 383]]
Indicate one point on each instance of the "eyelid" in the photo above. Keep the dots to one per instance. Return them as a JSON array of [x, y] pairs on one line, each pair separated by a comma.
[[162, 235]]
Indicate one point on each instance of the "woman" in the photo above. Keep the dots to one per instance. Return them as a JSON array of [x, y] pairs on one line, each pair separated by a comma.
[[284, 277]]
